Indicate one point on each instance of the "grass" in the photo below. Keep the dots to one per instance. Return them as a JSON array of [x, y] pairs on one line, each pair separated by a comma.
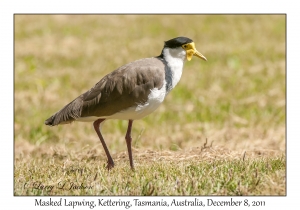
[[158, 173], [235, 101]]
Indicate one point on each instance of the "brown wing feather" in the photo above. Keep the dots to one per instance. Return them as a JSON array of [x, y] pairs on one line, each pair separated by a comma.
[[125, 87]]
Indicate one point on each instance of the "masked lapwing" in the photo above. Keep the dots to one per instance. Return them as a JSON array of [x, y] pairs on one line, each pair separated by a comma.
[[131, 92]]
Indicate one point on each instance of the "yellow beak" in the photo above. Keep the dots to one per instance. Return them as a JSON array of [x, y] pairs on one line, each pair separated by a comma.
[[191, 50]]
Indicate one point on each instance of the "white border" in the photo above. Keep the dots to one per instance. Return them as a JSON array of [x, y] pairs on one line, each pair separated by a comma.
[[8, 8]]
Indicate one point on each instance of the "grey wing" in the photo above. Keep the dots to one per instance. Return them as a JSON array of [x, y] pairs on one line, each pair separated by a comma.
[[126, 87], [123, 88]]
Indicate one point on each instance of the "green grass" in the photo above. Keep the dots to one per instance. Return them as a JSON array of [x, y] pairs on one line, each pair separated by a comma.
[[236, 100]]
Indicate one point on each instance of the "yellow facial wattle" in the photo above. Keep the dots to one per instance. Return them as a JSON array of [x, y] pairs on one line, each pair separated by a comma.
[[191, 51]]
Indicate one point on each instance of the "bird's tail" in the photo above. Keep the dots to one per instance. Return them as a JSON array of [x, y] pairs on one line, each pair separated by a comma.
[[57, 119], [50, 120], [66, 115]]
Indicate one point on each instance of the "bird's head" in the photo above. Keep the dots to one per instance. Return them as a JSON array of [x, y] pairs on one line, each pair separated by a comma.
[[184, 43]]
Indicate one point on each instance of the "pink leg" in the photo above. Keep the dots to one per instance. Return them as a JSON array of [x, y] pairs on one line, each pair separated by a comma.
[[128, 142], [110, 162]]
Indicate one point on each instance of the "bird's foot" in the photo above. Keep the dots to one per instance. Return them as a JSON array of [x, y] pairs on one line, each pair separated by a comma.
[[110, 165]]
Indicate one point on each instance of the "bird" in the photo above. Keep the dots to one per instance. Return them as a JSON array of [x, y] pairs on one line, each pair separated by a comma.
[[130, 92]]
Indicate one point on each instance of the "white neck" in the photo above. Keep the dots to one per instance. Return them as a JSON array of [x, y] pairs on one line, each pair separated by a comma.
[[175, 58]]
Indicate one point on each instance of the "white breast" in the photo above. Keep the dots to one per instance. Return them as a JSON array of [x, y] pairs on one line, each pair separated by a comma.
[[175, 59]]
